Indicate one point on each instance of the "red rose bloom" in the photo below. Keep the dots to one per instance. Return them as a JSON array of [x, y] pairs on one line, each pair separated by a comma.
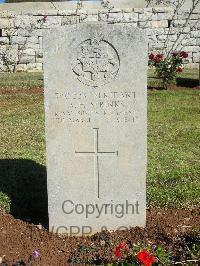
[[151, 56], [174, 54], [119, 250], [179, 69], [145, 258], [158, 58], [183, 54]]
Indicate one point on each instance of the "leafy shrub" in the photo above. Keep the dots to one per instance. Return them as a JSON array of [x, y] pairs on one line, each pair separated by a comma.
[[167, 67]]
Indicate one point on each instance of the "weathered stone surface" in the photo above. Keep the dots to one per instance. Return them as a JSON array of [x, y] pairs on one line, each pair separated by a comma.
[[39, 60], [124, 10], [12, 54], [69, 20], [25, 22], [194, 24], [89, 18], [4, 40], [168, 37], [29, 33], [195, 34], [178, 23], [67, 12], [130, 17], [6, 23], [103, 17], [35, 67], [91, 12], [7, 14], [198, 41], [38, 32], [34, 7], [147, 16], [31, 46], [161, 9], [35, 21], [52, 12], [3, 49], [154, 32], [154, 24], [40, 42], [192, 48], [185, 30], [27, 59], [3, 68], [95, 104], [115, 17], [29, 52], [138, 10], [195, 16], [159, 24], [9, 32], [18, 40], [51, 22], [189, 41], [164, 16], [196, 57], [33, 40], [21, 67], [27, 42]]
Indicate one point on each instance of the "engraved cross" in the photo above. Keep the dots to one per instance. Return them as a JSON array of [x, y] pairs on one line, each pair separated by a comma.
[[97, 153]]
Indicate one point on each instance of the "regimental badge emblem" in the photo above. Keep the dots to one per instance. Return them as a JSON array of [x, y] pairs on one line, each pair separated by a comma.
[[96, 62]]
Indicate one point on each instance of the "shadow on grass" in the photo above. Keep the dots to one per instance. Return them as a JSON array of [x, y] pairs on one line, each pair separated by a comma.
[[187, 82], [159, 88], [154, 83], [25, 182]]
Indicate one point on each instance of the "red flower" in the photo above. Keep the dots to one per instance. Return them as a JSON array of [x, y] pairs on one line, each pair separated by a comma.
[[158, 58], [179, 69], [120, 249], [174, 54], [183, 54], [151, 56], [145, 258], [118, 253]]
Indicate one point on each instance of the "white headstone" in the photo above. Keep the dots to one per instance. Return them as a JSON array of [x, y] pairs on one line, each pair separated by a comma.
[[96, 112]]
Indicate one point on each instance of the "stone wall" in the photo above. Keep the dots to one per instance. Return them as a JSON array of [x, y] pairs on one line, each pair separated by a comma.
[[21, 32]]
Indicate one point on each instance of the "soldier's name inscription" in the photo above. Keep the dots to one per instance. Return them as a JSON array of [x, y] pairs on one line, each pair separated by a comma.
[[79, 108]]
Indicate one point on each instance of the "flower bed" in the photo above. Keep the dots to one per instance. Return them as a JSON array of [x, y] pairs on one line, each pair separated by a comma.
[[170, 236], [167, 67]]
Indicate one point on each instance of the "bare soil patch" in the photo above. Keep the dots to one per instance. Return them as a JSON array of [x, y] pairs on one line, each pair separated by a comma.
[[175, 229]]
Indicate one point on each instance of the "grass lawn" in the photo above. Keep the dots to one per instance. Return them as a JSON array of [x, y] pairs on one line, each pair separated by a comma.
[[173, 178], [174, 148], [21, 80], [31, 80]]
